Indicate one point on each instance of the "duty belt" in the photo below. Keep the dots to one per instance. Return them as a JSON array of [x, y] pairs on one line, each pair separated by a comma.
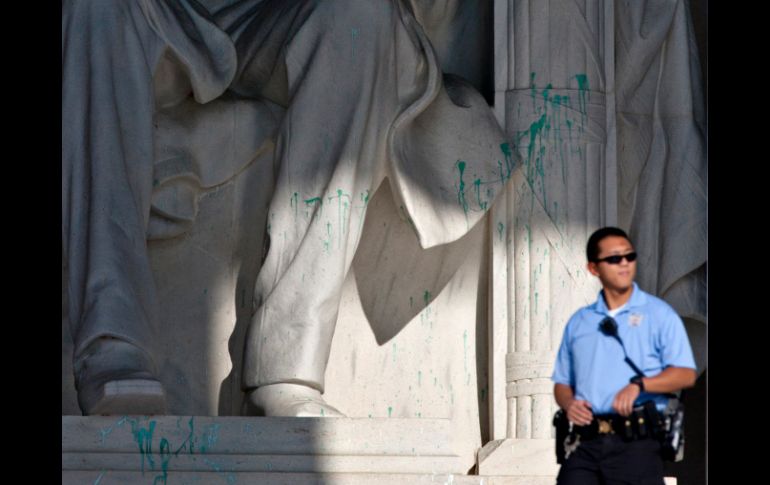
[[638, 425]]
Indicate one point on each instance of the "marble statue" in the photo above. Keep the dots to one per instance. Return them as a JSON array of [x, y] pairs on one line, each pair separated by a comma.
[[340, 94]]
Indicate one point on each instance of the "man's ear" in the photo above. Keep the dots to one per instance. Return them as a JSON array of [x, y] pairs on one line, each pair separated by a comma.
[[591, 266]]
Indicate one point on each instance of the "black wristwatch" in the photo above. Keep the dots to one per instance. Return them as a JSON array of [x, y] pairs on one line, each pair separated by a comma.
[[638, 381]]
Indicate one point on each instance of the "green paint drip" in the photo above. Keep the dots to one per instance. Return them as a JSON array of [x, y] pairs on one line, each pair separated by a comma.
[[535, 164], [419, 377], [535, 130], [143, 438], [407, 217], [340, 216], [327, 242], [583, 88], [315, 203], [189, 442], [211, 435], [533, 90], [390, 411], [99, 478], [545, 98], [353, 35], [165, 456], [411, 302], [365, 199], [465, 350], [461, 190], [294, 202], [500, 229], [395, 350], [426, 297], [507, 153], [529, 236]]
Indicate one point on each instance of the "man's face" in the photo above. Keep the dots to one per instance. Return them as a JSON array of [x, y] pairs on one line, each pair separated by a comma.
[[618, 277]]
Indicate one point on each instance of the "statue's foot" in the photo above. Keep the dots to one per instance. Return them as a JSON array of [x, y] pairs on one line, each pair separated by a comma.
[[113, 378], [292, 400]]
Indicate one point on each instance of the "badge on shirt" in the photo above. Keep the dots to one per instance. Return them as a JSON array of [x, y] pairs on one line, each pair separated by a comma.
[[635, 319]]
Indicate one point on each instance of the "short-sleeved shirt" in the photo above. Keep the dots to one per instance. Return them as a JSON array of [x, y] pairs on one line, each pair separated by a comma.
[[593, 363]]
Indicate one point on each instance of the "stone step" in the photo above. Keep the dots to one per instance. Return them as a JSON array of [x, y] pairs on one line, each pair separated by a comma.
[[105, 477], [172, 444], [102, 450]]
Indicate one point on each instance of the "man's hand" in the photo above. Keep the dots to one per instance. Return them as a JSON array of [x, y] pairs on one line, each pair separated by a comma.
[[579, 412], [624, 400]]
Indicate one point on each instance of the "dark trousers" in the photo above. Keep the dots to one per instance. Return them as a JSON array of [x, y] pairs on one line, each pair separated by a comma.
[[608, 460]]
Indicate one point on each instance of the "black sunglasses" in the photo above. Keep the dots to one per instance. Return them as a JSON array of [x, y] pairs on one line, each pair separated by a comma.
[[617, 258]]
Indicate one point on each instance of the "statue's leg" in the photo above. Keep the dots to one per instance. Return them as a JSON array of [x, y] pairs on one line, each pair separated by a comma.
[[108, 51], [341, 70]]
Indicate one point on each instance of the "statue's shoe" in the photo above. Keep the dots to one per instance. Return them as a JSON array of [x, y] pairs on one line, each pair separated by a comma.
[[292, 400], [114, 377]]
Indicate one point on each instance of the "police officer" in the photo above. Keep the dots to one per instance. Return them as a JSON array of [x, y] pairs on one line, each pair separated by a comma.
[[596, 387]]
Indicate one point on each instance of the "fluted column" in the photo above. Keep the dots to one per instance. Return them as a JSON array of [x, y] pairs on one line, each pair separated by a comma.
[[553, 63]]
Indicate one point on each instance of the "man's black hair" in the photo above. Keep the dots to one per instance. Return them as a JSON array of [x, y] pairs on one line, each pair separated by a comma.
[[592, 248]]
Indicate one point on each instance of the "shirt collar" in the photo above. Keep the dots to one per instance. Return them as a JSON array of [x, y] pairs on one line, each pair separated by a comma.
[[638, 298]]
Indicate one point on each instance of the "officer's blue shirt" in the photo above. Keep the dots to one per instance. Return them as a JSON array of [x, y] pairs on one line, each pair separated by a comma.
[[593, 363]]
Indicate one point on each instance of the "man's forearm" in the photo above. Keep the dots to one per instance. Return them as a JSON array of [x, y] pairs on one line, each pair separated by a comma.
[[671, 379], [563, 394]]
